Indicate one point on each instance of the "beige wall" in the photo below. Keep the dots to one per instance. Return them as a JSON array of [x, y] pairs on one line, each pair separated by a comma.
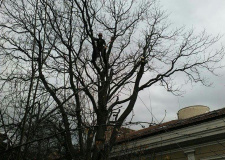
[[200, 153], [172, 156], [210, 151]]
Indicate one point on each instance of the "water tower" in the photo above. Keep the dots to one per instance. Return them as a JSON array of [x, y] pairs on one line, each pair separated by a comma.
[[192, 111]]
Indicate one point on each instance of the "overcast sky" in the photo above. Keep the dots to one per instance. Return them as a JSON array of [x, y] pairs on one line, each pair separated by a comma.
[[200, 15]]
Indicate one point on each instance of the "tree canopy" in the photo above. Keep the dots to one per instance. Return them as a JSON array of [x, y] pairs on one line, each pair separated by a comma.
[[56, 101]]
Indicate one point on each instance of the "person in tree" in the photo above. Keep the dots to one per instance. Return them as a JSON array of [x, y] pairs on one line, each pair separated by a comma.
[[100, 48]]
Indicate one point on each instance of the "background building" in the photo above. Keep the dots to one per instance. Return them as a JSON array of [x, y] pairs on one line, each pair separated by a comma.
[[197, 134]]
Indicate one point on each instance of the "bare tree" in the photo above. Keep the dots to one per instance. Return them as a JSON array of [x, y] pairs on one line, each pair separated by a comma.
[[50, 44]]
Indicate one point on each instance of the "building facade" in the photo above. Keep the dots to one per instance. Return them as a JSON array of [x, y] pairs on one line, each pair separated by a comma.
[[199, 137]]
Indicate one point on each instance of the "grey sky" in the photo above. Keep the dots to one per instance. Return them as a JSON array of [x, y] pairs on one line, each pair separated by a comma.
[[200, 15]]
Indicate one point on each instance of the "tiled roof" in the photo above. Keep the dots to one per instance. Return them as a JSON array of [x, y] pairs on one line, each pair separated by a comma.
[[171, 125]]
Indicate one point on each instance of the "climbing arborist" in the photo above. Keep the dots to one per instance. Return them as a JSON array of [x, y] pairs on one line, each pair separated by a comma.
[[100, 48]]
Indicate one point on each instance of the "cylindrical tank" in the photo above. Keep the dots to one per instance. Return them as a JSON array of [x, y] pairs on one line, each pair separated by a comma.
[[192, 111]]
